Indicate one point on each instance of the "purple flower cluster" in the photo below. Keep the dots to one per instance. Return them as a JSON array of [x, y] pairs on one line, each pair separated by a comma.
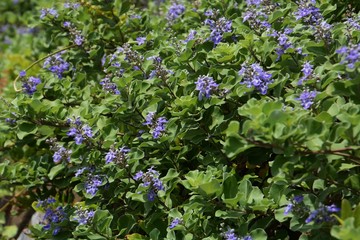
[[175, 222], [256, 14], [157, 125], [206, 86], [56, 64], [353, 23], [76, 34], [283, 41], [118, 156], [307, 71], [350, 55], [62, 154], [295, 203], [109, 86], [255, 76], [29, 84], [308, 12], [175, 11], [53, 215], [322, 32], [131, 56], [307, 98], [79, 131], [230, 235], [71, 5], [45, 203], [217, 27], [49, 12], [10, 121], [190, 37], [151, 180], [322, 214], [140, 40], [84, 216], [92, 184], [159, 71]]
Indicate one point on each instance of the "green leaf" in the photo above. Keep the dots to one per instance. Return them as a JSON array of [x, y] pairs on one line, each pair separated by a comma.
[[346, 210], [357, 216], [9, 231], [55, 171], [101, 222], [26, 129]]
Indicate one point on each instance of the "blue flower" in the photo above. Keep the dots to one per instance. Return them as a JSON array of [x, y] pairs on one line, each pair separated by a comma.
[[118, 156], [255, 76], [322, 214], [109, 86], [308, 12], [175, 222], [151, 180], [56, 64], [49, 12], [206, 86], [79, 131], [350, 55], [83, 216], [307, 98], [175, 11], [218, 28], [62, 154], [140, 40], [92, 184], [29, 85], [157, 125], [230, 235], [307, 71]]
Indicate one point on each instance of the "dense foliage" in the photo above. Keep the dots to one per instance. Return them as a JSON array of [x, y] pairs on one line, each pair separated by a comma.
[[220, 119]]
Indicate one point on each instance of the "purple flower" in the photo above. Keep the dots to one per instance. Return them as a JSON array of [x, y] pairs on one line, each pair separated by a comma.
[[322, 214], [307, 98], [151, 180], [288, 208], [138, 175], [175, 222], [350, 55], [209, 13], [92, 184], [308, 12], [22, 73], [49, 12], [230, 235], [353, 24], [56, 64], [79, 39], [175, 11], [157, 125], [84, 216], [79, 131], [71, 5], [255, 76], [218, 28], [298, 199], [191, 36], [206, 86], [109, 86], [62, 154], [140, 40], [307, 71], [80, 171], [29, 85], [151, 195], [118, 156]]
